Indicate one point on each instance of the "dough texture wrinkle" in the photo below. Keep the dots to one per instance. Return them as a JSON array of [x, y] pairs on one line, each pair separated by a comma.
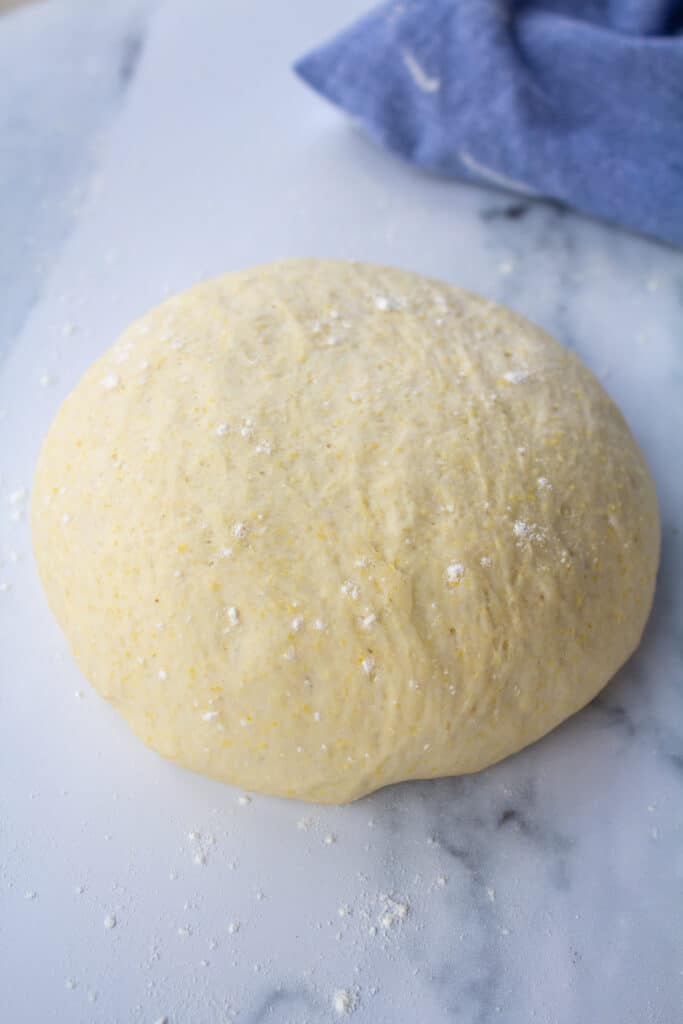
[[323, 526]]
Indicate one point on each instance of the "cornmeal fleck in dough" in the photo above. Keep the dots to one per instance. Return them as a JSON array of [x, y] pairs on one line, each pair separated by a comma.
[[324, 526]]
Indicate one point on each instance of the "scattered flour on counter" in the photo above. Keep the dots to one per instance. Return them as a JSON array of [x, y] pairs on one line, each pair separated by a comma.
[[201, 844], [393, 912], [344, 1002], [18, 500]]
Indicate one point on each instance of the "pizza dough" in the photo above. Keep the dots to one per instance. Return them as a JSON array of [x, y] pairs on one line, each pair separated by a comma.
[[324, 526]]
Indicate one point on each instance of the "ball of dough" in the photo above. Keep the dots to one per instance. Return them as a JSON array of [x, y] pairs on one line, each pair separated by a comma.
[[324, 526]]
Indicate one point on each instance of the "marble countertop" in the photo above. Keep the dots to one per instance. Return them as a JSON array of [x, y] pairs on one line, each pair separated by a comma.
[[146, 145]]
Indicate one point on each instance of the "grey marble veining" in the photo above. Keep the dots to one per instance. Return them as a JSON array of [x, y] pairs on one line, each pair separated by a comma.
[[547, 889]]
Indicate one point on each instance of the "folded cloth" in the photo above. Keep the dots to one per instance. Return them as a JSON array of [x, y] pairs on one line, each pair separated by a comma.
[[577, 100]]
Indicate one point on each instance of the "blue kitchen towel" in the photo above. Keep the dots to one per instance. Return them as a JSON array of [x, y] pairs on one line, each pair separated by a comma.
[[578, 100]]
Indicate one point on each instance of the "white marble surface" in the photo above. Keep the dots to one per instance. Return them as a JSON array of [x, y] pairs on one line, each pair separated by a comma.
[[145, 145]]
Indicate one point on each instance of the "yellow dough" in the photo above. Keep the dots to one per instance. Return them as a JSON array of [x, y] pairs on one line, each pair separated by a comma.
[[324, 526]]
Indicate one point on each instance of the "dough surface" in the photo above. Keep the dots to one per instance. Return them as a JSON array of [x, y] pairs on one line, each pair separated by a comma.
[[324, 526]]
